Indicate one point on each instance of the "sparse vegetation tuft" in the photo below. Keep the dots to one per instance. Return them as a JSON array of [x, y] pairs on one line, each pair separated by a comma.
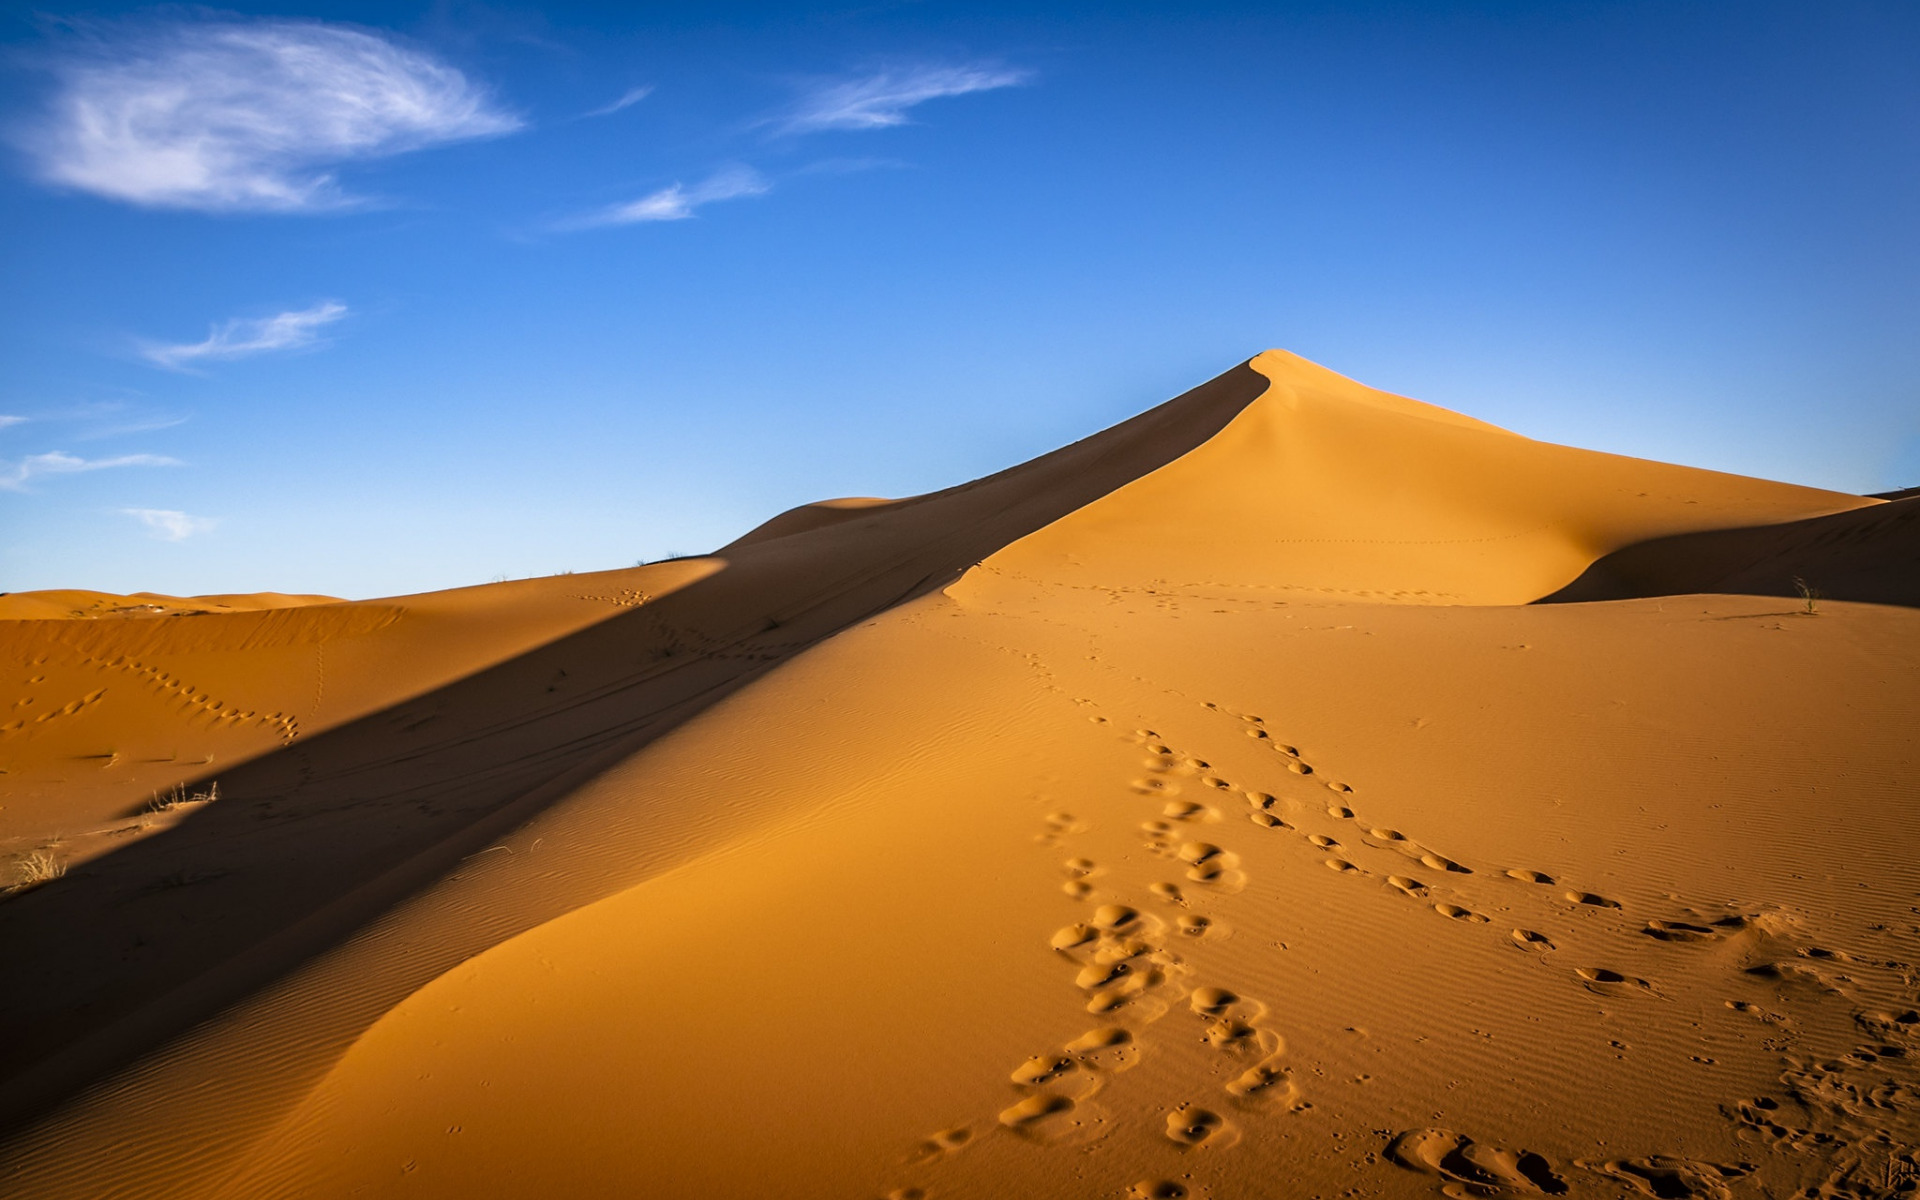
[[177, 795], [35, 868], [1809, 596]]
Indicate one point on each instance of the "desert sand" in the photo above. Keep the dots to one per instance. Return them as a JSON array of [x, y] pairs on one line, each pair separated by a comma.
[[1210, 808]]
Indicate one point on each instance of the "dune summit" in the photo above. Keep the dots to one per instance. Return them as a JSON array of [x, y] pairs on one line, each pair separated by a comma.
[[1209, 808]]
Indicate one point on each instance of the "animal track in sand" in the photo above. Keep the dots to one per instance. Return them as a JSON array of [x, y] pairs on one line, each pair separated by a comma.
[[1193, 1127], [1480, 1169]]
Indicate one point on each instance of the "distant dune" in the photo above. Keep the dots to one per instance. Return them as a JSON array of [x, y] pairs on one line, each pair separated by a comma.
[[1207, 808]]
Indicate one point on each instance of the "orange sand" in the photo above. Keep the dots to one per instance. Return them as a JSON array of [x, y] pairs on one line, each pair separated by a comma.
[[1203, 809]]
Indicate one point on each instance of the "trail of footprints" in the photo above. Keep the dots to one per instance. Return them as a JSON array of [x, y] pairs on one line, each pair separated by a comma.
[[184, 695], [1132, 969]]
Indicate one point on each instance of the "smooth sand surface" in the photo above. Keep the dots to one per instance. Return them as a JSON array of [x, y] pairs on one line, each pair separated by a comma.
[[1205, 809]]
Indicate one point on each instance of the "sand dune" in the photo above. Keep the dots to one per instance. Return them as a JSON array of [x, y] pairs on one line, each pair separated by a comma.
[[1203, 809]]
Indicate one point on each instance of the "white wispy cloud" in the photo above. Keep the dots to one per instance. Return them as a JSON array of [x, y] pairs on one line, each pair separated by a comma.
[[628, 99], [678, 202], [244, 336], [15, 475], [235, 116], [881, 98], [170, 525], [6, 421]]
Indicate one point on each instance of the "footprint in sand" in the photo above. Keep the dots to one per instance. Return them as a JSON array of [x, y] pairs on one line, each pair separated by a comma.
[[1243, 1039], [1323, 841], [1344, 867], [1108, 1048], [1123, 920], [1192, 1128], [942, 1145], [1073, 937], [1266, 1083], [1526, 876], [1674, 1178], [1440, 862], [1679, 931], [1217, 1002], [1168, 892], [1055, 1075], [1208, 863], [1197, 927], [1033, 1115], [1527, 939], [1482, 1170], [1158, 1189], [1187, 810], [1340, 812], [1454, 912], [1593, 899], [1605, 982]]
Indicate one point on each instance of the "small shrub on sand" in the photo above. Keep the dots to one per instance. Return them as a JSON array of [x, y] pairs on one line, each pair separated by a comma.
[[35, 868], [177, 795], [1809, 595]]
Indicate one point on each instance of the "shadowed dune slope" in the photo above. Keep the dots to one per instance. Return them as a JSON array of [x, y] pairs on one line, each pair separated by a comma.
[[1202, 810], [1867, 554], [401, 728]]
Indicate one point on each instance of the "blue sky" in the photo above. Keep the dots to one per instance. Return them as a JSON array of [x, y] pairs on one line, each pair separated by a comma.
[[365, 299]]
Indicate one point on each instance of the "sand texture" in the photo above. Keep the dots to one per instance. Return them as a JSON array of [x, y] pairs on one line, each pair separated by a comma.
[[1208, 808]]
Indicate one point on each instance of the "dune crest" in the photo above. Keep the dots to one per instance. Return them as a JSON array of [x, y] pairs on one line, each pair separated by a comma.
[[1201, 810]]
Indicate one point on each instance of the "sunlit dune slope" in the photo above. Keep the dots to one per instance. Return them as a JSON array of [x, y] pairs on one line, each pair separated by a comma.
[[1326, 488], [1201, 810]]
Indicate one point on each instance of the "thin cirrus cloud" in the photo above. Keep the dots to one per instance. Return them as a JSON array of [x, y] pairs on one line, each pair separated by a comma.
[[677, 202], [880, 99], [628, 99], [15, 476], [243, 337], [169, 525], [244, 116]]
